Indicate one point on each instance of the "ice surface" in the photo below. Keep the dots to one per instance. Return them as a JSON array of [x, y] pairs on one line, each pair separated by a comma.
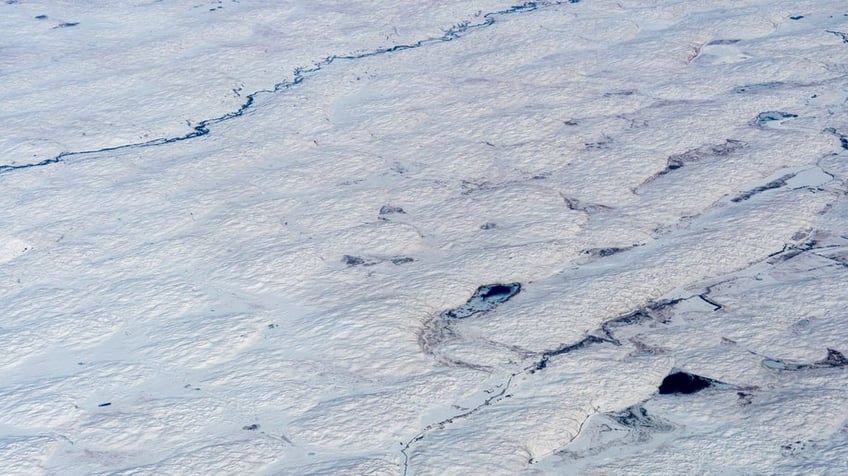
[[288, 237]]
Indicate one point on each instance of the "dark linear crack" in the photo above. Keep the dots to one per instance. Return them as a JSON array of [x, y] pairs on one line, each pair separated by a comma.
[[657, 310], [680, 382], [709, 301], [300, 74], [571, 440], [653, 310], [441, 424], [834, 359], [450, 35], [790, 251], [696, 155], [677, 382], [781, 182], [565, 349], [836, 253], [844, 36]]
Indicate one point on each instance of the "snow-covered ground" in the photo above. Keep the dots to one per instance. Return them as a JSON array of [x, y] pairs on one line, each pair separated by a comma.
[[424, 237]]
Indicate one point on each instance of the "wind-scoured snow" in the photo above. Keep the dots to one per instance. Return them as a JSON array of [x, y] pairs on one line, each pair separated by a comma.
[[245, 238]]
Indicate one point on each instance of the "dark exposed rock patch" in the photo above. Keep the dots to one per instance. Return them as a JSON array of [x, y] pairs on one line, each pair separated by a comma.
[[579, 206], [390, 210], [484, 299], [356, 261], [603, 252], [637, 417], [699, 154], [757, 87], [834, 359], [781, 182], [769, 116], [677, 383]]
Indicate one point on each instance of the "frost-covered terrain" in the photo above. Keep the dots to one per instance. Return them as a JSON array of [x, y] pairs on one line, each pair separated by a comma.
[[424, 237]]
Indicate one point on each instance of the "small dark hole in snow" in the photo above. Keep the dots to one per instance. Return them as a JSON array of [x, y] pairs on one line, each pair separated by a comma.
[[252, 427]]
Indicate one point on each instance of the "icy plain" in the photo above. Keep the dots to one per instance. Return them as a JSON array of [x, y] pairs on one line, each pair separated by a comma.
[[424, 237]]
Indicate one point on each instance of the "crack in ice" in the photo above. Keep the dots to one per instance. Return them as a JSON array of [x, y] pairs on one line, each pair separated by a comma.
[[299, 76], [441, 424]]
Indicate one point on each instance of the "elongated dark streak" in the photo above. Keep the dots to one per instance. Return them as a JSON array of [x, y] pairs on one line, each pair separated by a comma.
[[844, 36], [710, 301], [300, 75], [441, 424]]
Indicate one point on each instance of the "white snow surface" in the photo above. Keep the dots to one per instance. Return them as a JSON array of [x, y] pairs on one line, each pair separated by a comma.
[[231, 230]]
